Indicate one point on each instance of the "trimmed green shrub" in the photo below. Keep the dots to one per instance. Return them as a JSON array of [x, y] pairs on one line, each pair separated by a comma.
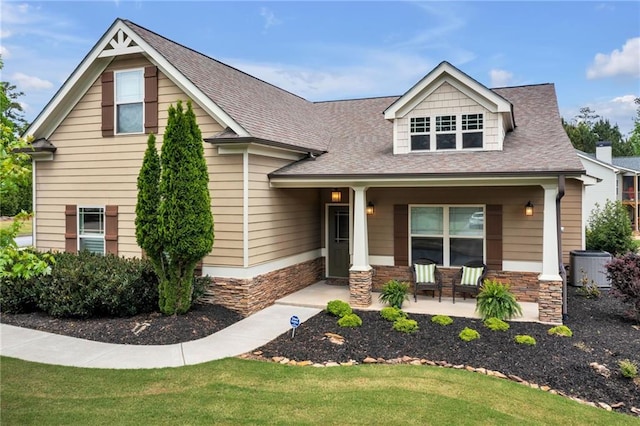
[[469, 334], [405, 325], [394, 293], [18, 295], [350, 320], [442, 319], [339, 308], [624, 273], [628, 368], [496, 301], [496, 324], [525, 339], [560, 330], [391, 313], [609, 229]]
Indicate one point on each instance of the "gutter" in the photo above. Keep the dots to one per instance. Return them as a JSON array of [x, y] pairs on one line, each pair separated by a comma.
[[238, 140], [563, 271]]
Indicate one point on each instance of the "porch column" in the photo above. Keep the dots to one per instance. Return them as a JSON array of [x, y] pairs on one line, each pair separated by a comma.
[[550, 281], [360, 273]]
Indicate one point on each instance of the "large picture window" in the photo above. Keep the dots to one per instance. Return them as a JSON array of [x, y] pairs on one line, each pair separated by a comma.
[[129, 101], [91, 222], [449, 235]]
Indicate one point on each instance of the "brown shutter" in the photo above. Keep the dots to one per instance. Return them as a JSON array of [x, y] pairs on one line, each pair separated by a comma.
[[111, 230], [494, 237], [107, 104], [401, 234], [151, 99], [71, 228]]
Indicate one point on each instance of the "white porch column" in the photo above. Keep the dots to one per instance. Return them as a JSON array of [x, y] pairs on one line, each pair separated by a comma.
[[550, 265], [360, 234]]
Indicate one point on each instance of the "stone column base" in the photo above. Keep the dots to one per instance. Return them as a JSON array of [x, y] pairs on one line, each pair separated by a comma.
[[360, 288], [550, 302]]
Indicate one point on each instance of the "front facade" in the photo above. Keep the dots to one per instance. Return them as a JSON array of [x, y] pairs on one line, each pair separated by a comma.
[[300, 191]]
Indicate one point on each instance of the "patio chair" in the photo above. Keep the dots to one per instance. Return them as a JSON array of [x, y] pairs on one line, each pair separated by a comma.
[[469, 278], [426, 277]]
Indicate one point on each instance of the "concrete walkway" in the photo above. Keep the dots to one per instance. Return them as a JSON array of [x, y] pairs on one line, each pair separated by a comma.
[[243, 336]]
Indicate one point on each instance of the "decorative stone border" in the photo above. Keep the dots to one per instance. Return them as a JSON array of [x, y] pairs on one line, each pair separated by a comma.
[[257, 355]]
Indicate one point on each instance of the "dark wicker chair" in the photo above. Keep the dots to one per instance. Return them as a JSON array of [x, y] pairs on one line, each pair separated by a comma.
[[468, 288], [431, 285]]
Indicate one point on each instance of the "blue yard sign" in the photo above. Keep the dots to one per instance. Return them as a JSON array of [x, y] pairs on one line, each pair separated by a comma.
[[295, 322]]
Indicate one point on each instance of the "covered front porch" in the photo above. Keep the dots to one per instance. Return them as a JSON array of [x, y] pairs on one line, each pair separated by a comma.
[[319, 294]]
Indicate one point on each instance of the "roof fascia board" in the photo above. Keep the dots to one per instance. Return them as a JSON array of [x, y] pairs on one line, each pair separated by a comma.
[[598, 162], [264, 142], [262, 150]]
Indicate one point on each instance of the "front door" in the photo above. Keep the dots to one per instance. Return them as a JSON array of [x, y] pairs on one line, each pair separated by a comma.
[[338, 244]]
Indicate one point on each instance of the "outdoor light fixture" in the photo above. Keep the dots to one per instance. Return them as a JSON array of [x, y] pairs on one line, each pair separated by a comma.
[[336, 196], [370, 208], [528, 209]]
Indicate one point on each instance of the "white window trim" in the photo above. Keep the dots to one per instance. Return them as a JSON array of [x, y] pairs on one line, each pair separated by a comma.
[[433, 142], [446, 261], [115, 101], [92, 236]]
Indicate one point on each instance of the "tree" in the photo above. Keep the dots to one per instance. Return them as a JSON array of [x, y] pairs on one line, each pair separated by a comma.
[[587, 128], [609, 229], [604, 131], [179, 232], [581, 136], [634, 139]]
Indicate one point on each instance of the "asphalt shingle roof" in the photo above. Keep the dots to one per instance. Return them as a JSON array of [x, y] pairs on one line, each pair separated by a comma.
[[631, 163]]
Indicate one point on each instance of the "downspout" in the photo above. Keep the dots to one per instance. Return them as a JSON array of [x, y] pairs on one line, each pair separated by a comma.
[[563, 271]]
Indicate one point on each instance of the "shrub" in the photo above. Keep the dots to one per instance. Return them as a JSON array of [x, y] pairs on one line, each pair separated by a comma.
[[628, 368], [391, 313], [525, 339], [395, 293], [405, 325], [560, 330], [609, 229], [339, 308], [496, 301], [350, 320], [200, 285], [442, 319], [18, 295], [496, 324], [624, 274], [469, 334], [589, 290]]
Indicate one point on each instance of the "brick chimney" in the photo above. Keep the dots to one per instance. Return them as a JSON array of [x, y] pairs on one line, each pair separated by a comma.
[[603, 152]]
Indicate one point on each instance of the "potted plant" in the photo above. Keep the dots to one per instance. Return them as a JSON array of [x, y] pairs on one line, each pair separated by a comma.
[[395, 293]]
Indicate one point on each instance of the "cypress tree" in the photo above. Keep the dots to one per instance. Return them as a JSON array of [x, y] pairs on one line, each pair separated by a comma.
[[147, 232]]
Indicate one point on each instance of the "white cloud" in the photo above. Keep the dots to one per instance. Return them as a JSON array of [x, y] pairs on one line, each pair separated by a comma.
[[25, 82], [270, 19], [500, 78], [620, 62], [4, 52]]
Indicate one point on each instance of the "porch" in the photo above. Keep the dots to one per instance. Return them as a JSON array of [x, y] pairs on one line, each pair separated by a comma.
[[319, 294]]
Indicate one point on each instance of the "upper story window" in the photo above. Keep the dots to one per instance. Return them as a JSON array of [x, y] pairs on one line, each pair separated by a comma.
[[129, 101], [464, 131], [420, 133], [91, 221]]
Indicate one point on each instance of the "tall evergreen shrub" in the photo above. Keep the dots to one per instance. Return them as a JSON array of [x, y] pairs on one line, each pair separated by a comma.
[[609, 229]]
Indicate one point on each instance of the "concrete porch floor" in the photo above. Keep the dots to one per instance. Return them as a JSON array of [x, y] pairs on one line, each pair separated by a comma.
[[319, 294]]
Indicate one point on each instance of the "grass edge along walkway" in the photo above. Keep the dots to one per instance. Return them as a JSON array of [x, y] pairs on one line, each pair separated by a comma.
[[235, 391]]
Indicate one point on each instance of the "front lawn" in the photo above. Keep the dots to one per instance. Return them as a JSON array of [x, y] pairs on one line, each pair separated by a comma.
[[25, 229], [234, 391]]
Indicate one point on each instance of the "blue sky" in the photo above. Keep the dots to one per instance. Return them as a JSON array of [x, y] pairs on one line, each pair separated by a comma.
[[340, 50]]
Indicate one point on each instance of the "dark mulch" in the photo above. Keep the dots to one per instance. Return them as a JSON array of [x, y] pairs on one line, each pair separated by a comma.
[[601, 334], [144, 329]]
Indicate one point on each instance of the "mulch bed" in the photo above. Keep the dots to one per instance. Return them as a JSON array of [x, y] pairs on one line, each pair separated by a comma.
[[602, 334]]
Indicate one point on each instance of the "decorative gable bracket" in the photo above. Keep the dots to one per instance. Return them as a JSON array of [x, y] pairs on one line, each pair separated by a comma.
[[120, 44]]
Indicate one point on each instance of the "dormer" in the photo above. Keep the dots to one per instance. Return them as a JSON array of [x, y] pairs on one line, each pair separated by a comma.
[[449, 111]]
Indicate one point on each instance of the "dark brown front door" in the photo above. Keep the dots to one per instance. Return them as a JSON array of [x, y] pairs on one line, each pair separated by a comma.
[[338, 244]]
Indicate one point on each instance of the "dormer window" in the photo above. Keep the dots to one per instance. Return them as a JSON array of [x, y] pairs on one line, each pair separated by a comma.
[[420, 133], [472, 125], [446, 132], [452, 132]]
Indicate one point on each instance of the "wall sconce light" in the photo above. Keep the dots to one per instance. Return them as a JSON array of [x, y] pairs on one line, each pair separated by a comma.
[[370, 208], [528, 209], [336, 196]]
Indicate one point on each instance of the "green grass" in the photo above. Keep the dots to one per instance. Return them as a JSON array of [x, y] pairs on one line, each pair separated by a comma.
[[25, 229], [234, 391]]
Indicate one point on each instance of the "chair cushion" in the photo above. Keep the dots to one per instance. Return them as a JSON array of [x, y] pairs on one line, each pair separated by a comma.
[[470, 275], [426, 273]]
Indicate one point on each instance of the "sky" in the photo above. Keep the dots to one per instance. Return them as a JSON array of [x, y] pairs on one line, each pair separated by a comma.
[[342, 50]]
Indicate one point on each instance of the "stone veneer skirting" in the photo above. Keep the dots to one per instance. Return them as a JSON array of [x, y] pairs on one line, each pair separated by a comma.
[[249, 295], [550, 302], [360, 288]]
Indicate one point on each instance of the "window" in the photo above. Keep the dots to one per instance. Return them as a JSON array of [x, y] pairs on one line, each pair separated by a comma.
[[446, 132], [449, 235], [91, 229], [129, 101], [472, 125], [420, 128]]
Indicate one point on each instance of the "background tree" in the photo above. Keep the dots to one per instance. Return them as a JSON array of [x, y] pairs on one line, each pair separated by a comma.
[[180, 232], [587, 128], [634, 139]]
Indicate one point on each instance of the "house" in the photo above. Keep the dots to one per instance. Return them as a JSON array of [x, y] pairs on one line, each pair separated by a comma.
[[613, 178], [300, 190]]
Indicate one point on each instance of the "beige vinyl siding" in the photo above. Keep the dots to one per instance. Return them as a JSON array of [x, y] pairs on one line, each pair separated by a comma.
[[522, 237], [89, 169], [447, 100], [571, 205], [282, 222]]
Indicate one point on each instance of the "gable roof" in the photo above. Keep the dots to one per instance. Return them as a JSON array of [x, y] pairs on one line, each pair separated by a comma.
[[631, 164]]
